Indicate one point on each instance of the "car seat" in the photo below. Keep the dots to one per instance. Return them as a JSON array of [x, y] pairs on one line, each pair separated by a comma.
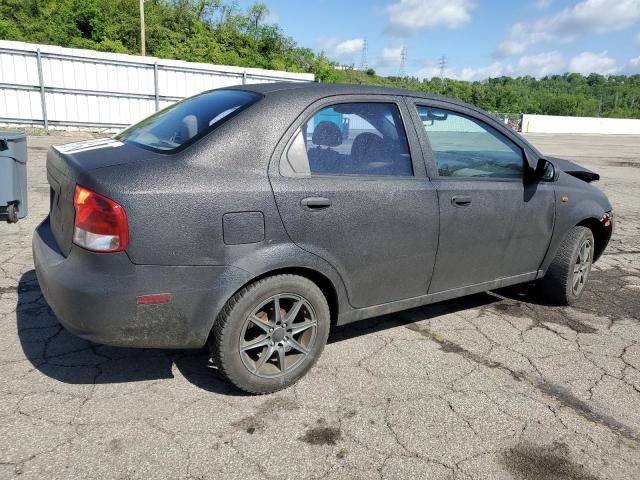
[[367, 152], [322, 158]]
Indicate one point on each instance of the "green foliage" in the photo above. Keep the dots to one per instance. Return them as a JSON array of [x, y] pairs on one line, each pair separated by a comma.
[[571, 94], [211, 31], [219, 32]]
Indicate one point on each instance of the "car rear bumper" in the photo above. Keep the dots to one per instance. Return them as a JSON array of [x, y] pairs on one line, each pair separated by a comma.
[[95, 296]]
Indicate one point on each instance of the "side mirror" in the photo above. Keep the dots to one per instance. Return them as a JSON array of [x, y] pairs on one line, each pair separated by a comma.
[[545, 171]]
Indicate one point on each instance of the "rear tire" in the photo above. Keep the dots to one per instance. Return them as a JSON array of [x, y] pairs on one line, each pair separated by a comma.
[[569, 271], [270, 333]]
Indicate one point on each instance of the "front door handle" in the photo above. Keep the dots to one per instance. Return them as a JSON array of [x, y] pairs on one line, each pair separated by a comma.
[[461, 201], [315, 203]]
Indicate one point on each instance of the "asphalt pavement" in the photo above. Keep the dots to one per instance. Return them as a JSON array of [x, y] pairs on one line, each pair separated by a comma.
[[493, 386]]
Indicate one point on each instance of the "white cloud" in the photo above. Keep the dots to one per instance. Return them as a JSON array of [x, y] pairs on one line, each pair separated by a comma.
[[542, 64], [520, 38], [349, 47], [470, 74], [586, 16], [410, 16], [390, 56], [598, 16], [632, 67], [542, 4], [535, 65], [342, 50], [592, 62], [496, 69], [388, 61], [432, 69]]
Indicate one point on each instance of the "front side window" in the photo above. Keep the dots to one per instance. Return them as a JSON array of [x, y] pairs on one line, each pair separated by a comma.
[[351, 139], [465, 147], [185, 122]]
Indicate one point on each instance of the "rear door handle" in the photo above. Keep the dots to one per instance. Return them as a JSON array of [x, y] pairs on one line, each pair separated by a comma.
[[461, 201], [315, 203]]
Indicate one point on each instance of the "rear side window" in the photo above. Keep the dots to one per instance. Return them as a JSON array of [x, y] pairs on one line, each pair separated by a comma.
[[351, 139], [183, 123], [465, 147]]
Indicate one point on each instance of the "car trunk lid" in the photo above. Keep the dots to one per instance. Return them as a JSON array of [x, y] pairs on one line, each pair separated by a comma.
[[70, 164], [62, 180]]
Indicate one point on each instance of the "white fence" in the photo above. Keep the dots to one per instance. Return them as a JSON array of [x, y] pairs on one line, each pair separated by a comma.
[[55, 87], [552, 124]]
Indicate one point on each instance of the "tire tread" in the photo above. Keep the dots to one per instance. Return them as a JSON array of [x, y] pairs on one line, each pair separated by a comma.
[[556, 284], [217, 336]]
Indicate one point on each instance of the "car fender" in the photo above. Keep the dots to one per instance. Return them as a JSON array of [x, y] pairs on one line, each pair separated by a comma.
[[574, 206], [285, 256]]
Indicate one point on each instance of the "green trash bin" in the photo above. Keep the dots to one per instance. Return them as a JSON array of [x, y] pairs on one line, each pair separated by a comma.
[[13, 176]]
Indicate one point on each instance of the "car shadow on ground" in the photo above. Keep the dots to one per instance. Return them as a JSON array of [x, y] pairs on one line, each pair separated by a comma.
[[64, 357], [70, 359]]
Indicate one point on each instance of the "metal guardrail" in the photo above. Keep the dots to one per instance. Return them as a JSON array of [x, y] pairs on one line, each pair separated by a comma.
[[62, 123], [97, 93], [156, 67]]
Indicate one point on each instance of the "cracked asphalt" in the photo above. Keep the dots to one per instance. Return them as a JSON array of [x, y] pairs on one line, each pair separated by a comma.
[[496, 385]]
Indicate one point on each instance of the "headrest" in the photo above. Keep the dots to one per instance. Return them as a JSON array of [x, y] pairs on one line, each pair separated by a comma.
[[327, 134], [367, 147], [190, 124]]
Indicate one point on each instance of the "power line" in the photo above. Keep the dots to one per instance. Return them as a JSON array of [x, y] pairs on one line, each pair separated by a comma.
[[443, 72], [403, 62], [364, 64]]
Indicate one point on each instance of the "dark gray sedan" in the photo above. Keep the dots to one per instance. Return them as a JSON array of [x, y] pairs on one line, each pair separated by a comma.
[[253, 218]]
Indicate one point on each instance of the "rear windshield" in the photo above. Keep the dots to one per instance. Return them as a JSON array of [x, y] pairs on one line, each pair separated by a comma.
[[183, 123]]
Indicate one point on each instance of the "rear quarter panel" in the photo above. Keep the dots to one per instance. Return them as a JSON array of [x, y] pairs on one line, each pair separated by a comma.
[[175, 203]]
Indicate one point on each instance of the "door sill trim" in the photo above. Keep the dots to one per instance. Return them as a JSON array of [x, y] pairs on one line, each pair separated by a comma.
[[399, 305]]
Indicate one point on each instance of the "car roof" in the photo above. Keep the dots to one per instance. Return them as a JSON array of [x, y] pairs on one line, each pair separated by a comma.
[[325, 89]]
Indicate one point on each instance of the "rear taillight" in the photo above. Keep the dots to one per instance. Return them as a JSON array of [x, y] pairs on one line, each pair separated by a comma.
[[101, 224]]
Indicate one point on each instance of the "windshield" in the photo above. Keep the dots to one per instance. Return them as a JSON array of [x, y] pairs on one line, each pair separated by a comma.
[[183, 123]]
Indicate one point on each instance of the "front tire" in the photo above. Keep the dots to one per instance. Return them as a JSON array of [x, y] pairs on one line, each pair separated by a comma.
[[270, 333], [569, 271]]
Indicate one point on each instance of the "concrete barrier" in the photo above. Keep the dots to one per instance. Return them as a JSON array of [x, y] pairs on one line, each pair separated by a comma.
[[553, 124]]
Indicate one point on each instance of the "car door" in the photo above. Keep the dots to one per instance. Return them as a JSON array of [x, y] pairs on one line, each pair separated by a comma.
[[351, 187], [494, 223]]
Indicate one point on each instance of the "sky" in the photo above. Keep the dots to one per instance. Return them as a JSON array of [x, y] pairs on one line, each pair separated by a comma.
[[479, 38]]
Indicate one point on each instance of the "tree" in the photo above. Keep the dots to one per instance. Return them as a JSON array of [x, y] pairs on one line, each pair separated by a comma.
[[256, 15], [219, 32]]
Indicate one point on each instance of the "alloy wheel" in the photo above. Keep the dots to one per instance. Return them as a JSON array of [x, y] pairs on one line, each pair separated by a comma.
[[278, 335], [582, 267]]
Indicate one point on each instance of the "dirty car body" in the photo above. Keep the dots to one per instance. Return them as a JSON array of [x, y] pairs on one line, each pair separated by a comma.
[[384, 199]]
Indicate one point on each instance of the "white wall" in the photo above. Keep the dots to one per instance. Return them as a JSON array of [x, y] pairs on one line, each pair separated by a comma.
[[552, 124], [105, 89]]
